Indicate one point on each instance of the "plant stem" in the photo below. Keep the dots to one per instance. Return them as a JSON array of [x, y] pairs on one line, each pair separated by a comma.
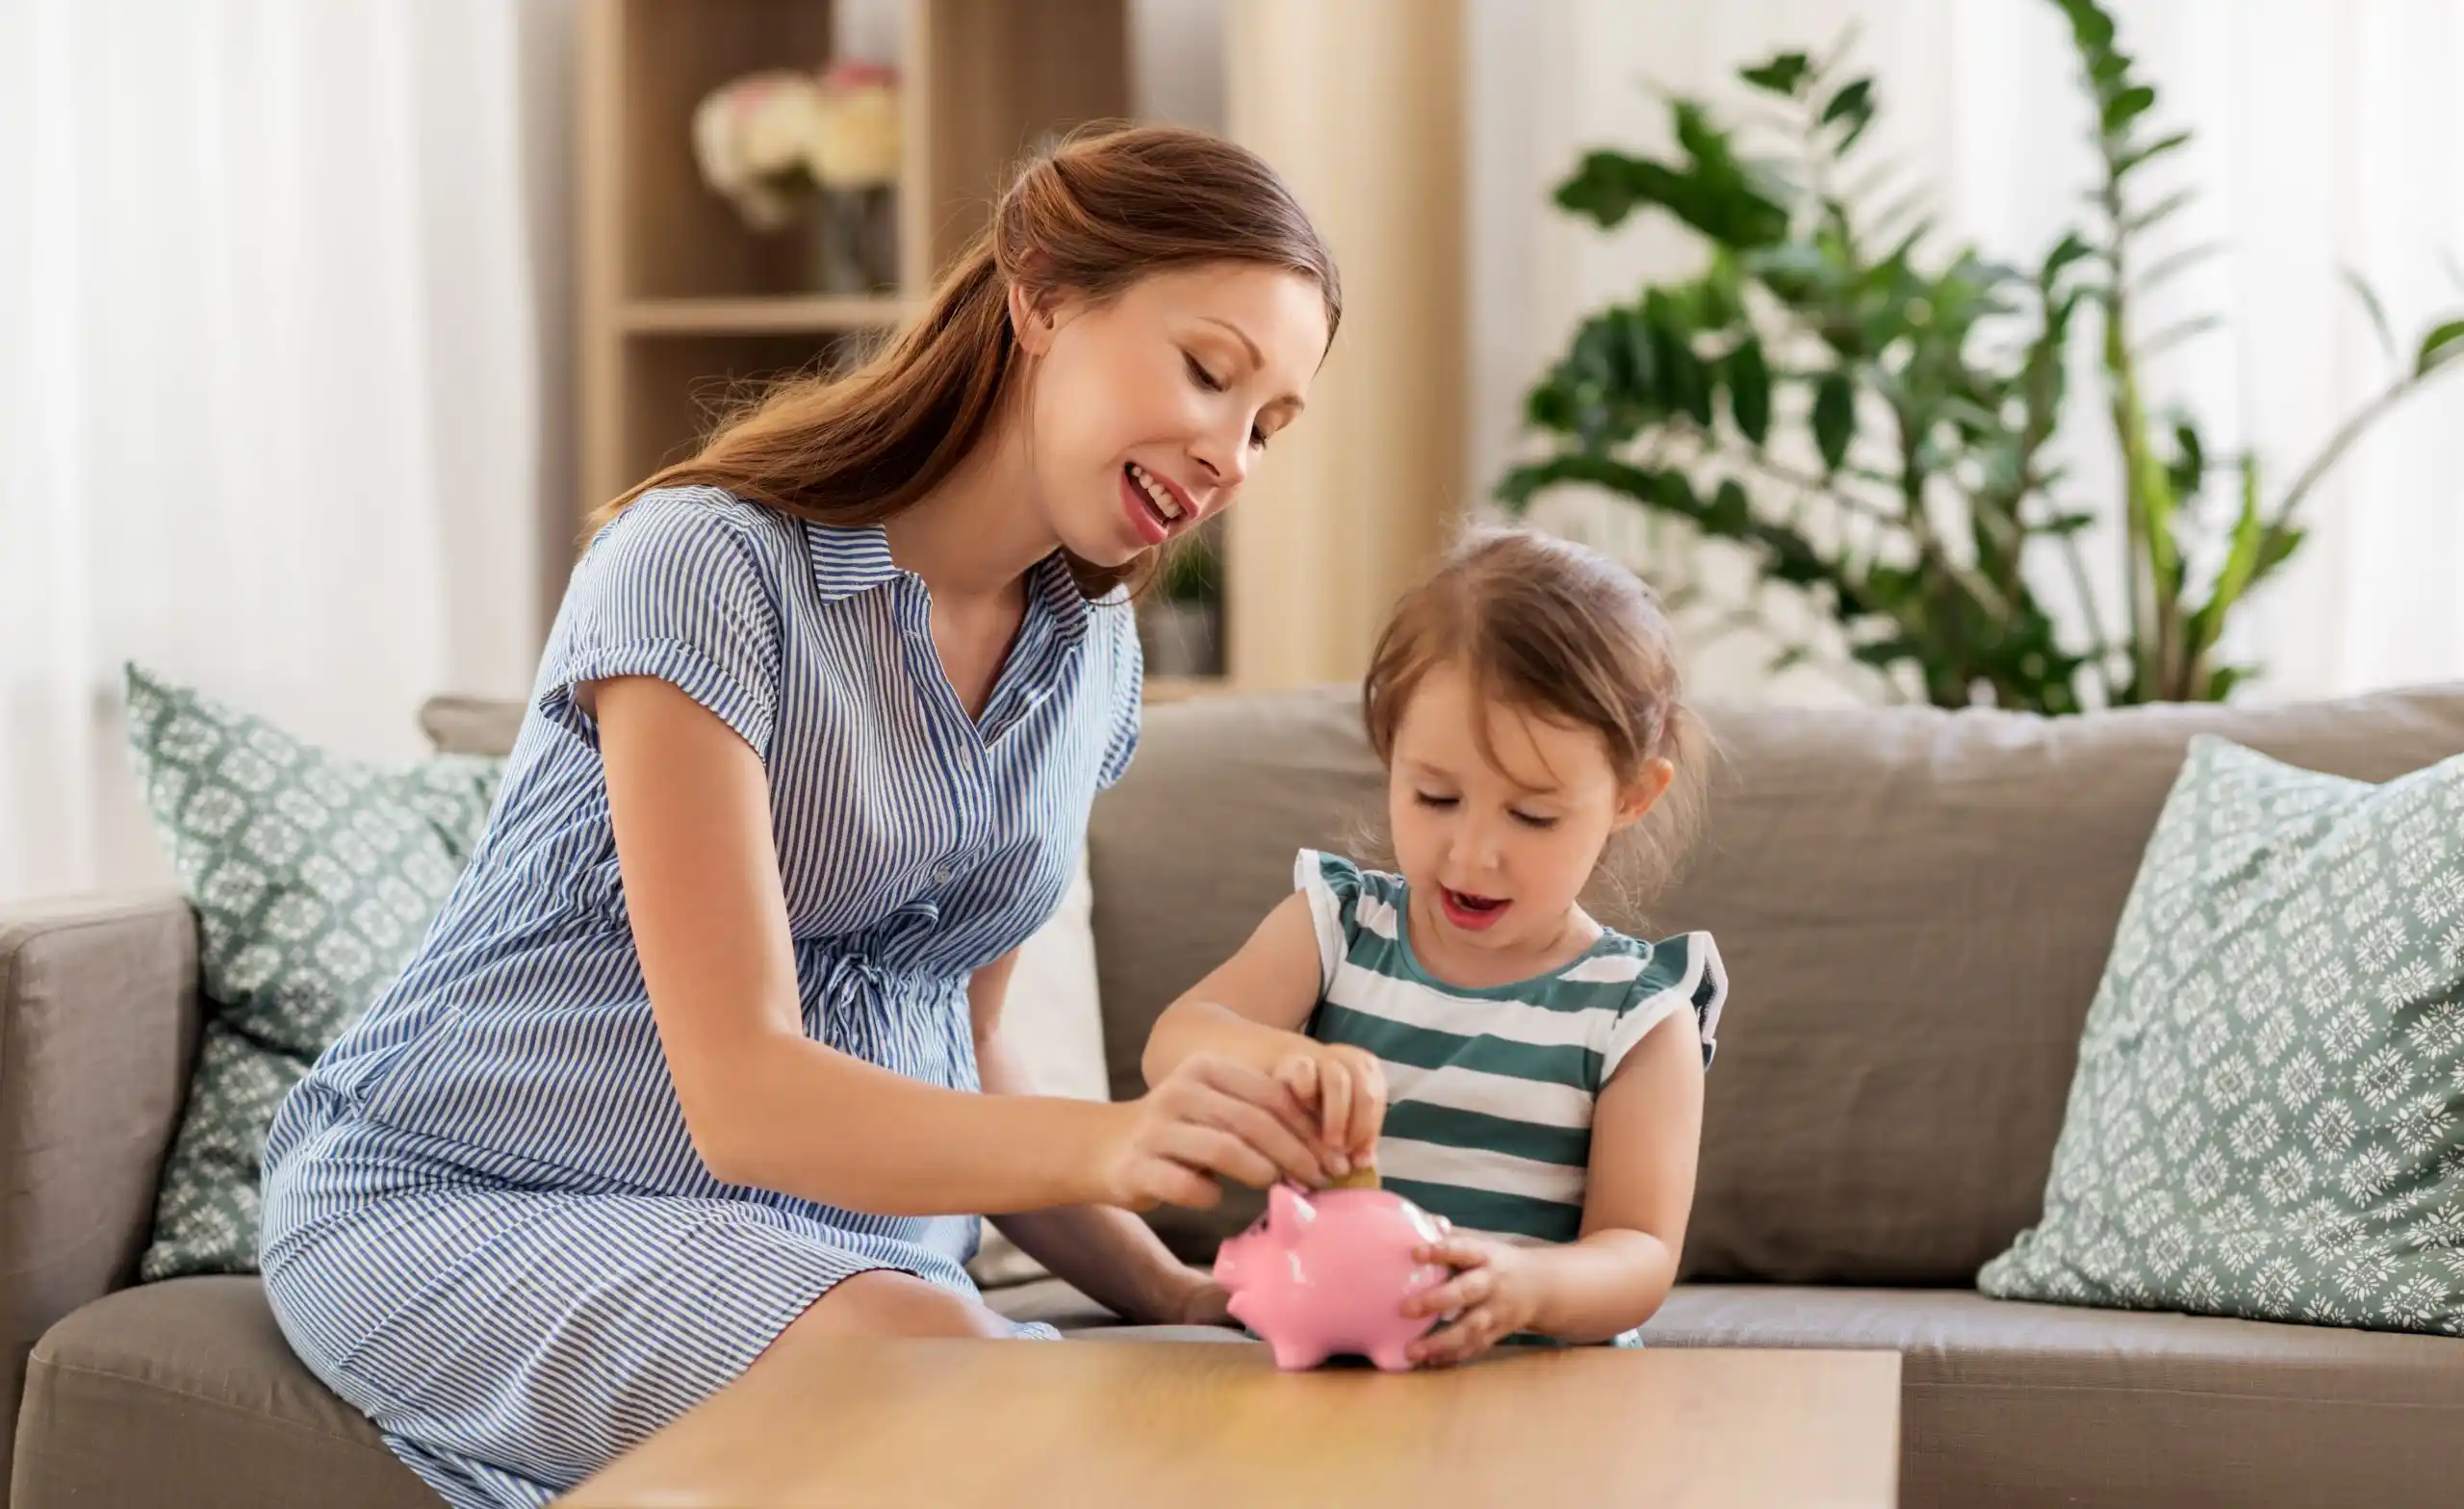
[[2337, 443]]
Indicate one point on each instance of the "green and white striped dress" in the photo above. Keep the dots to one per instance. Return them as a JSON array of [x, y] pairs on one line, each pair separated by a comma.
[[1490, 1090]]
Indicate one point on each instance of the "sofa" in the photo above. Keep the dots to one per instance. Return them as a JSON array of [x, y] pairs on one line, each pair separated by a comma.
[[1915, 907]]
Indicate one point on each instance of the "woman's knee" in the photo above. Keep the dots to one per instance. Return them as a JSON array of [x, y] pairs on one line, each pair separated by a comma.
[[886, 1303]]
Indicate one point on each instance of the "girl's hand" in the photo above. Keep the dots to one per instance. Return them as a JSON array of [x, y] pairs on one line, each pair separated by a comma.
[[1210, 1115], [1346, 1088], [1495, 1293]]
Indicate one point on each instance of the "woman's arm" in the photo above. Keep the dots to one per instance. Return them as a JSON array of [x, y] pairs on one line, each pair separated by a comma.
[[1646, 1134], [1251, 1010], [768, 1107], [1107, 1253]]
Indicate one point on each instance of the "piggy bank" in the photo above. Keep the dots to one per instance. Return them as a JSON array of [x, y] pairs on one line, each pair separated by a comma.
[[1327, 1272]]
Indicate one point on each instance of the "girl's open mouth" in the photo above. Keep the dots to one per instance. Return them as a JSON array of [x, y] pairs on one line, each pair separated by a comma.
[[1469, 911]]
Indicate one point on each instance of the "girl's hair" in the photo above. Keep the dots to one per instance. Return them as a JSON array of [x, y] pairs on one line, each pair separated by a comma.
[[1563, 634], [1089, 218]]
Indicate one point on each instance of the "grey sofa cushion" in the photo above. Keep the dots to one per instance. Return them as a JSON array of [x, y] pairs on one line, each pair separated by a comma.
[[186, 1391], [471, 725], [1915, 907], [98, 1026], [2021, 1406]]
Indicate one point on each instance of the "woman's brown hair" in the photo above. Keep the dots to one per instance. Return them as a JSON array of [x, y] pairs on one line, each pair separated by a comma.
[[1560, 633], [1102, 210]]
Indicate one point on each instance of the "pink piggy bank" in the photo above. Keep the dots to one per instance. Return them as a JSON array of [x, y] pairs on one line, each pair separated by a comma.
[[1329, 1271]]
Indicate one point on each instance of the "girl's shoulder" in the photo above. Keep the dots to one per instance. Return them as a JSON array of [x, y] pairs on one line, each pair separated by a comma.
[[1682, 973], [1344, 881]]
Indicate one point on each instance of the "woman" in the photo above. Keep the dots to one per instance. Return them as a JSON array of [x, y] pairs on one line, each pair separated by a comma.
[[686, 1070]]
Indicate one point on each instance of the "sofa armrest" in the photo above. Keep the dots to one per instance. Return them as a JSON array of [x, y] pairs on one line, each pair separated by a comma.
[[99, 1015]]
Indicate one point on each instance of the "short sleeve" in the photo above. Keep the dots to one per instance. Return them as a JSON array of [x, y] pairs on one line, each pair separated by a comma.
[[1129, 697], [1333, 885], [1683, 974], [676, 588]]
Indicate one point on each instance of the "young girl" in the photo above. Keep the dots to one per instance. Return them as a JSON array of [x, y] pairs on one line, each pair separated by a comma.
[[1465, 1027], [687, 1071]]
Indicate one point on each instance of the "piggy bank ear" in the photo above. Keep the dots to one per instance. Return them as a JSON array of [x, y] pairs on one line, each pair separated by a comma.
[[1288, 1209]]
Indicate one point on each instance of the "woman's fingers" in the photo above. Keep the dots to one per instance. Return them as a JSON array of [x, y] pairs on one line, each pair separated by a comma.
[[1282, 1152], [1174, 1183], [1224, 1152], [1264, 1113]]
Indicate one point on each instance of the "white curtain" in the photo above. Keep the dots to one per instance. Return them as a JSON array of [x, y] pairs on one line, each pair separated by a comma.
[[272, 311], [2330, 135]]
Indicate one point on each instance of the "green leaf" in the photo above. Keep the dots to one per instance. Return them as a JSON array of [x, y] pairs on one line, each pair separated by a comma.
[[1783, 73], [2165, 269], [1853, 104], [1715, 193], [2240, 568], [2069, 249], [2141, 156], [2439, 347], [2127, 107], [2089, 22], [1729, 512], [1749, 383], [2280, 546], [2377, 311], [2175, 334], [1835, 417], [2189, 459], [2160, 209]]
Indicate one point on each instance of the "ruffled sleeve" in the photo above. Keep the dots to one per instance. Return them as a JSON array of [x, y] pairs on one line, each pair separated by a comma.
[[1683, 974], [1333, 885]]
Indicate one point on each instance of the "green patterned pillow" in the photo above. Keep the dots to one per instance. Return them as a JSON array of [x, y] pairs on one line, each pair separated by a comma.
[[2268, 1118], [314, 879]]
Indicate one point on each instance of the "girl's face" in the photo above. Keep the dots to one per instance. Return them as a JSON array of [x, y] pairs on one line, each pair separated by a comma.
[[1148, 411], [1496, 853]]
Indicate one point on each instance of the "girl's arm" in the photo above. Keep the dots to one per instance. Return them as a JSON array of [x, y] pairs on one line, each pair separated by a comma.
[[1107, 1253], [768, 1107], [1251, 1011], [1646, 1134]]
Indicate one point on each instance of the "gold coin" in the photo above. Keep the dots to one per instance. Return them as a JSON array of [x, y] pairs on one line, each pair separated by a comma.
[[1364, 1177]]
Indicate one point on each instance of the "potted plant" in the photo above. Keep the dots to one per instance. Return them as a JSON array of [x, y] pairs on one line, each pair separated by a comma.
[[789, 148], [1869, 416], [1181, 615]]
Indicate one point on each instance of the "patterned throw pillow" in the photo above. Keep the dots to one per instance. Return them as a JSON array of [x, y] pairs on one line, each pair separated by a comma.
[[2268, 1118], [314, 879]]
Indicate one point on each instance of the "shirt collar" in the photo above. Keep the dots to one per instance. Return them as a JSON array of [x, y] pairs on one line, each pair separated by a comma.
[[850, 559]]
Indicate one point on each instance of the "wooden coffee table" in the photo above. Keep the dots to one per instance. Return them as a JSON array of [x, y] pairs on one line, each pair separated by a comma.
[[1191, 1425]]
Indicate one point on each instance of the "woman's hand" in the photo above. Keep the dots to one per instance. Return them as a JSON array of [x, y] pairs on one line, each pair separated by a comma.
[[1346, 1089], [1496, 1291], [1210, 1115], [1204, 1302]]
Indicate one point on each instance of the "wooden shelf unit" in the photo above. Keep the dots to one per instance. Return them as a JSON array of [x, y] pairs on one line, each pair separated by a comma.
[[681, 308]]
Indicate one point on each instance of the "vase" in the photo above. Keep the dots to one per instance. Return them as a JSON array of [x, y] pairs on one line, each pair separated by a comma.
[[855, 240], [1180, 639]]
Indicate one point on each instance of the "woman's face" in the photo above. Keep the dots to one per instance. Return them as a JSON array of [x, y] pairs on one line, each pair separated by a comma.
[[1148, 412]]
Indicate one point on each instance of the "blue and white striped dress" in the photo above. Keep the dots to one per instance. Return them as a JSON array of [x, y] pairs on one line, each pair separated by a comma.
[[485, 1224]]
